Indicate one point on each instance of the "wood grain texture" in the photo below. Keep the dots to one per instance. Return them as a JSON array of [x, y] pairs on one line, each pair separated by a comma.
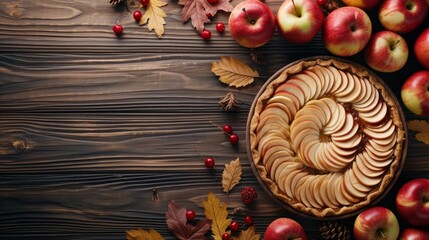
[[91, 124]]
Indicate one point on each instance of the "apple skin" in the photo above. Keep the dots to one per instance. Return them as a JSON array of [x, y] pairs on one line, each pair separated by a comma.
[[346, 31], [370, 223], [412, 202], [363, 4], [421, 48], [285, 228], [254, 26], [414, 234], [302, 24], [387, 51], [415, 93], [402, 16]]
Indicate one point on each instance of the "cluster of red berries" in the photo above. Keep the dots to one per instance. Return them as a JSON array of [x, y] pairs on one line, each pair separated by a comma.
[[220, 26], [137, 15], [248, 195], [233, 226]]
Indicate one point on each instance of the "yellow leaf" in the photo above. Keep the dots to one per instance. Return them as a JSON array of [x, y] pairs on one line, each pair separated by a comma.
[[216, 211], [231, 175], [141, 234], [154, 17], [248, 234], [422, 129], [234, 72]]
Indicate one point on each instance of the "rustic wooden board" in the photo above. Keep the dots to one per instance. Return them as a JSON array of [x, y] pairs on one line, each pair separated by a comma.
[[91, 124]]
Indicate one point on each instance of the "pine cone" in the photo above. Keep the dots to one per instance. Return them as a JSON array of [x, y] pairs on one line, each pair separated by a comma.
[[335, 230], [115, 2]]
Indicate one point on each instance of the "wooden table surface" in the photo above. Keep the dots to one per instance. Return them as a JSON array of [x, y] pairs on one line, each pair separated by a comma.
[[91, 124]]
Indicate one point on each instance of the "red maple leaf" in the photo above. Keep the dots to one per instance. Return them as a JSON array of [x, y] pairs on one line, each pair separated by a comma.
[[199, 10], [177, 223]]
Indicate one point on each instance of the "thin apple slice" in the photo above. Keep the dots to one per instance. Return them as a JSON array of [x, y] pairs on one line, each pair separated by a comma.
[[378, 116], [318, 82], [293, 90], [276, 109], [285, 170], [327, 82], [310, 192], [299, 136], [305, 88], [375, 163], [353, 93], [337, 79], [380, 128], [358, 184], [301, 191], [347, 193], [370, 103], [344, 84], [331, 193], [370, 172], [339, 196], [361, 158], [314, 77], [388, 132], [353, 188], [366, 180], [288, 101], [316, 191], [336, 122], [294, 183], [367, 94], [348, 125], [324, 192]]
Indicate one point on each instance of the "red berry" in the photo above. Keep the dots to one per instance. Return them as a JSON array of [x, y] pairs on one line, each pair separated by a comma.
[[137, 15], [248, 194], [190, 215], [233, 138], [227, 128], [322, 2], [220, 27], [209, 162], [225, 236], [209, 15], [234, 226], [118, 29], [248, 220], [213, 1], [206, 34], [144, 2]]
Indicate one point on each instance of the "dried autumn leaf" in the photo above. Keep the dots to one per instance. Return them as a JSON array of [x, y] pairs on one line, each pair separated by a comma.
[[231, 175], [216, 211], [199, 10], [154, 17], [422, 129], [177, 224], [141, 234], [229, 103], [248, 234], [234, 72]]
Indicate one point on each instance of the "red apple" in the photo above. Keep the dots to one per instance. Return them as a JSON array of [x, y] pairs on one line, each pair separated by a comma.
[[285, 228], [402, 16], [299, 21], [252, 23], [376, 223], [386, 52], [412, 201], [415, 93], [414, 234], [346, 31], [421, 48], [364, 4]]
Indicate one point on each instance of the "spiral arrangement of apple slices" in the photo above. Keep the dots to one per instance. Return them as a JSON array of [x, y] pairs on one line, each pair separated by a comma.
[[325, 137]]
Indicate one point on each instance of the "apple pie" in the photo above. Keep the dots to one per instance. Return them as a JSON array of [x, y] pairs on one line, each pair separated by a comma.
[[326, 136]]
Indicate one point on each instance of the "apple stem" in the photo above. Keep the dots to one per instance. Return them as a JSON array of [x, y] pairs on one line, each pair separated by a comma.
[[381, 233], [251, 21], [394, 45], [296, 10]]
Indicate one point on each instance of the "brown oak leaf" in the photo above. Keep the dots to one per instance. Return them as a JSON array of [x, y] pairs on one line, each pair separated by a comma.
[[141, 234], [217, 213], [421, 127], [248, 234], [231, 175], [177, 224], [199, 10], [234, 72], [154, 17]]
